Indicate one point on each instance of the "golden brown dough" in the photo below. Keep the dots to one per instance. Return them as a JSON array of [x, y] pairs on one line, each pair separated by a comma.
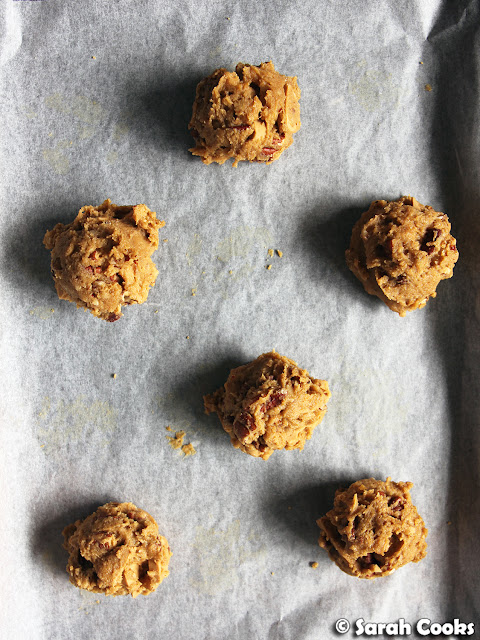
[[373, 528], [250, 114], [101, 260], [117, 551], [400, 251], [269, 404]]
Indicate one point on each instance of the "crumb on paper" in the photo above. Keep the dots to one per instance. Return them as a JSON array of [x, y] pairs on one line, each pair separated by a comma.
[[176, 441], [314, 565], [41, 446], [230, 272], [270, 253], [165, 239], [187, 337], [188, 449], [94, 57], [156, 310], [279, 253], [272, 573], [194, 291], [268, 267], [420, 62], [114, 376], [428, 87]]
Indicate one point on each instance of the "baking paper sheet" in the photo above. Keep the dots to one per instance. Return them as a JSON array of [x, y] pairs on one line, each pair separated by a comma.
[[96, 98]]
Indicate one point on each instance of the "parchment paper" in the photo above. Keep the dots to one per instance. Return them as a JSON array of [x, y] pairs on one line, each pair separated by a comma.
[[96, 98]]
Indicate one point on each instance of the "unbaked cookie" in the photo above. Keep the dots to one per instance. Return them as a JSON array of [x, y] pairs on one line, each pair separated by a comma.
[[373, 528], [117, 551], [269, 404], [400, 251], [101, 260], [250, 114]]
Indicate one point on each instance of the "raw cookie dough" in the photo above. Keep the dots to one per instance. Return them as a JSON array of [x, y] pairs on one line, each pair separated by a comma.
[[101, 260], [251, 114], [373, 528], [117, 551], [269, 404], [400, 251]]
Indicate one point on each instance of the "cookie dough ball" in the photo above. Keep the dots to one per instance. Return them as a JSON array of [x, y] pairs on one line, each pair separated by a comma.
[[117, 551], [269, 404], [373, 528], [400, 251], [251, 114], [101, 260]]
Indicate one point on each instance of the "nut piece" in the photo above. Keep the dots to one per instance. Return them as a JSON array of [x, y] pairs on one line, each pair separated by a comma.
[[101, 260], [400, 251], [117, 551], [250, 114], [373, 528], [269, 404]]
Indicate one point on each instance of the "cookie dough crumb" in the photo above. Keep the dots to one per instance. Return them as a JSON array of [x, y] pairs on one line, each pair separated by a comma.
[[400, 251], [250, 114], [269, 404], [187, 337], [314, 565], [194, 291], [188, 449], [94, 58], [102, 260], [373, 528], [176, 442], [270, 253], [428, 87], [114, 376], [268, 267], [279, 253], [117, 550]]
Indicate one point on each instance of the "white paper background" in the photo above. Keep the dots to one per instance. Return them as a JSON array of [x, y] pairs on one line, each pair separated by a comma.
[[405, 392]]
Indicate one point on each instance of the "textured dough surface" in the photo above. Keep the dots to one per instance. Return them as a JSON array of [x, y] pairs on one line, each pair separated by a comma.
[[117, 551], [269, 404], [400, 251], [250, 114], [101, 260], [373, 528]]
